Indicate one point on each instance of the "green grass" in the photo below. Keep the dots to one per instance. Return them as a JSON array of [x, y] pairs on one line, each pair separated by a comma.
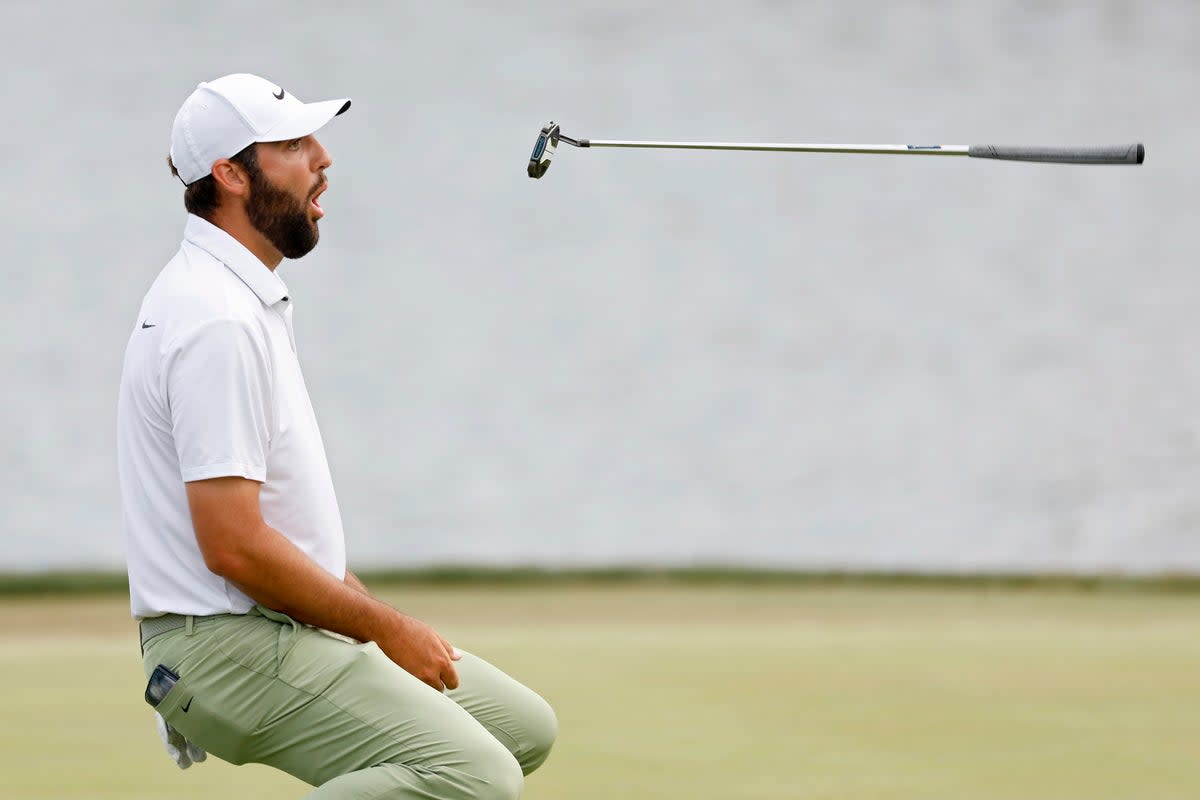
[[717, 690]]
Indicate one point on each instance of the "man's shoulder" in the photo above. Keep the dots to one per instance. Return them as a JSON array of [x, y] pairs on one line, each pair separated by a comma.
[[194, 289]]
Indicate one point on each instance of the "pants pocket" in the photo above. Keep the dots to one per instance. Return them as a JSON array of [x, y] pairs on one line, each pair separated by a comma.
[[228, 685], [218, 726], [255, 641]]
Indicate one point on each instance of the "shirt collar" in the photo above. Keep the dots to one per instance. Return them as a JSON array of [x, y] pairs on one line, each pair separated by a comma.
[[262, 280]]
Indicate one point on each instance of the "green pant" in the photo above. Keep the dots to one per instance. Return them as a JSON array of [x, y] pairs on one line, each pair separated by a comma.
[[262, 688]]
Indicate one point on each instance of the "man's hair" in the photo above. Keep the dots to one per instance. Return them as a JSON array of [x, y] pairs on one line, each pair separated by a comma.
[[200, 197]]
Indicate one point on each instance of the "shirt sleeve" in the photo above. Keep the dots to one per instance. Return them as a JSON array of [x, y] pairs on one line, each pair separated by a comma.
[[219, 388]]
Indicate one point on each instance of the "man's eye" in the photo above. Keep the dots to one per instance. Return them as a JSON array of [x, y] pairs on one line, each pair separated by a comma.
[[294, 144]]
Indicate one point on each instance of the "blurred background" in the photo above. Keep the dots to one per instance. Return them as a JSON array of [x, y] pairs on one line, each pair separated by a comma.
[[665, 358], [768, 367]]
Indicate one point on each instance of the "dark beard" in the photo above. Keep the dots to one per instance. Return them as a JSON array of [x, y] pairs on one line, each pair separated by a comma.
[[280, 217]]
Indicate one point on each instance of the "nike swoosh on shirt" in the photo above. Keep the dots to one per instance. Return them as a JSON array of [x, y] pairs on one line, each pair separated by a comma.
[[148, 325]]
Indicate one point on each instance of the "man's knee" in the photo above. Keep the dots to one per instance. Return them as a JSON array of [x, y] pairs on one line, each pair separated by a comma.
[[540, 731]]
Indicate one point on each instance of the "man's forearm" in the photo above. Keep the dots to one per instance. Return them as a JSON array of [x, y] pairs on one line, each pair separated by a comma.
[[277, 574], [354, 583], [239, 546]]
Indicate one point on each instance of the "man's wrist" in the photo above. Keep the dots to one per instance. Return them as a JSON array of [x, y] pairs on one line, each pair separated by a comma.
[[378, 618]]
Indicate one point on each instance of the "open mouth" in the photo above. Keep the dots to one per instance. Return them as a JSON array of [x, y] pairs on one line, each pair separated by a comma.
[[315, 200]]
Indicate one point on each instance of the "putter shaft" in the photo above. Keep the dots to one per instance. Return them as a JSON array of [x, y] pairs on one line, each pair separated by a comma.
[[884, 149]]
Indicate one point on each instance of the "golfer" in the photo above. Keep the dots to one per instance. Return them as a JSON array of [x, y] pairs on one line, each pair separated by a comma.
[[259, 644]]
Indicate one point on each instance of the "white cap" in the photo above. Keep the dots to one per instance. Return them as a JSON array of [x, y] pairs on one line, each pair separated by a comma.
[[223, 117]]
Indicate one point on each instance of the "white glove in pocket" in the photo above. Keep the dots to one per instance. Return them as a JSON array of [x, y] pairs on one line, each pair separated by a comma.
[[183, 752]]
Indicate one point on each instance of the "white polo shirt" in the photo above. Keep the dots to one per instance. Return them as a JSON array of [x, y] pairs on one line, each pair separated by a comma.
[[212, 387]]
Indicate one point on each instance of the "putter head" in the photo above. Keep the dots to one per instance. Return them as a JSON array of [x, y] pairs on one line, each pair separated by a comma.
[[543, 150]]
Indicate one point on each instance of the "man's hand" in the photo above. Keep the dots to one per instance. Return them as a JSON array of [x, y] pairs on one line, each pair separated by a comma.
[[420, 651], [183, 752]]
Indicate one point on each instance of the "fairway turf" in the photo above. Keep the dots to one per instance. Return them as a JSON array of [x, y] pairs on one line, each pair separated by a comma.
[[716, 692]]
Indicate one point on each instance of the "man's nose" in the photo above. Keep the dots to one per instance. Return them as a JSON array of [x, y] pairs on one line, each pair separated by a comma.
[[322, 158]]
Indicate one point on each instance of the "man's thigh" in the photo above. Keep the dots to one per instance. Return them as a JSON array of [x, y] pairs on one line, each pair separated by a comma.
[[260, 690]]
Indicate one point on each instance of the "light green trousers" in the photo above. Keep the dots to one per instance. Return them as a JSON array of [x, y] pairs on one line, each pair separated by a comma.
[[343, 717]]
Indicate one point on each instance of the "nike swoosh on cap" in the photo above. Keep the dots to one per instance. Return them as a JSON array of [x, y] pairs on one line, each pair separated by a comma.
[[278, 96]]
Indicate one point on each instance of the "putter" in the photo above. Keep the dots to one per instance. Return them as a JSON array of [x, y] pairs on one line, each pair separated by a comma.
[[551, 135]]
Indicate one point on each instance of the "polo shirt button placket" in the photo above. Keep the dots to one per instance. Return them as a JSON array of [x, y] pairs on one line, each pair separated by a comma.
[[286, 313]]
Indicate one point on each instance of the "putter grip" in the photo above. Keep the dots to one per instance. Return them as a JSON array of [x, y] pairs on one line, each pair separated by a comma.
[[1109, 154]]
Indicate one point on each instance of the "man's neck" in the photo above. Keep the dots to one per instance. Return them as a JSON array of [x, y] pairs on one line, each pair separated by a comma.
[[238, 226]]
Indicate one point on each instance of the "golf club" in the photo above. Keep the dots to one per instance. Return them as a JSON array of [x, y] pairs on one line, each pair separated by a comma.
[[551, 135]]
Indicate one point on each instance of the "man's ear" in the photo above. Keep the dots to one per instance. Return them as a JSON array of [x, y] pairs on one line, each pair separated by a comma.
[[231, 177]]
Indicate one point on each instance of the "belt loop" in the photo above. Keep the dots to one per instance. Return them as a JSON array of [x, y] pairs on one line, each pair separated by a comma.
[[187, 625]]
